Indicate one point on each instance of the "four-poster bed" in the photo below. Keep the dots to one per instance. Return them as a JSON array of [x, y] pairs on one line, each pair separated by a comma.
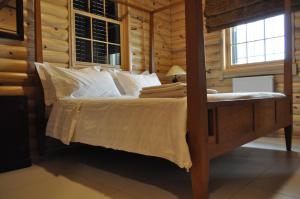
[[214, 128]]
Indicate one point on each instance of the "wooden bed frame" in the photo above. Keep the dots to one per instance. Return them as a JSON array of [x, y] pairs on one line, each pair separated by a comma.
[[214, 128]]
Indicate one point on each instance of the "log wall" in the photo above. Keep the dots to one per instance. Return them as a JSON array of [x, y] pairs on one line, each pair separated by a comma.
[[16, 65], [139, 36], [55, 32], [214, 58]]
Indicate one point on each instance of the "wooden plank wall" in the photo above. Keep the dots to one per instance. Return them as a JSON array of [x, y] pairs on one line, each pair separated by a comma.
[[214, 57], [139, 36]]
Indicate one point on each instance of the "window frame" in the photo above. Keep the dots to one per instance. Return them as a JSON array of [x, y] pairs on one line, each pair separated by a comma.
[[250, 69], [229, 54], [123, 39]]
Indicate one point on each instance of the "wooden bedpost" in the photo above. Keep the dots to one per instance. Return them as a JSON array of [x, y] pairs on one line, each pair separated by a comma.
[[288, 73], [40, 106], [197, 98], [151, 44]]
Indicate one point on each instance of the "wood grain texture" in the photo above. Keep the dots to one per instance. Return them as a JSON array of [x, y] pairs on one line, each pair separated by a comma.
[[197, 98]]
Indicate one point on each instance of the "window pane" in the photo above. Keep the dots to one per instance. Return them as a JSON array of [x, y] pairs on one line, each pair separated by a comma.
[[256, 51], [97, 7], [100, 53], [111, 9], [114, 54], [255, 31], [113, 33], [81, 5], [275, 26], [99, 30], [239, 54], [83, 50], [275, 49], [238, 34], [82, 26]]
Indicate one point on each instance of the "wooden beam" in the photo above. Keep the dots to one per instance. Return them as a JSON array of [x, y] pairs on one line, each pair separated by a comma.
[[40, 105], [152, 68], [197, 98], [167, 7], [288, 71], [132, 6], [38, 31], [125, 46], [288, 61]]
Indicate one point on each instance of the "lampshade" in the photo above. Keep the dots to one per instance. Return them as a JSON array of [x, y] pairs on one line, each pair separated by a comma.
[[176, 70]]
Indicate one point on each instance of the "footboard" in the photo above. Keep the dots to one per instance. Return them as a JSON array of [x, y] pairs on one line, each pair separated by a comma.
[[234, 123]]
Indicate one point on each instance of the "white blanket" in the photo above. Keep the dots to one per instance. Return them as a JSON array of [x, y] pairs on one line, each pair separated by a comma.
[[154, 127], [148, 126]]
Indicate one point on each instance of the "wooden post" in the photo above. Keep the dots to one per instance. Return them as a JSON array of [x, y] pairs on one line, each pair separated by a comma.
[[40, 105], [38, 32], [151, 45], [288, 72], [197, 98]]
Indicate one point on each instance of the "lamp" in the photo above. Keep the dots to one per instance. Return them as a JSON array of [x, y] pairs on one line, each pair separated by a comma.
[[175, 71]]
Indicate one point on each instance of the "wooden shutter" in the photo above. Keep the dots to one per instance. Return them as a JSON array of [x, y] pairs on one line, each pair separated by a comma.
[[221, 14]]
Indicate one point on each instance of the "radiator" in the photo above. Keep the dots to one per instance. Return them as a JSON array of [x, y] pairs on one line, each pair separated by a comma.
[[253, 84]]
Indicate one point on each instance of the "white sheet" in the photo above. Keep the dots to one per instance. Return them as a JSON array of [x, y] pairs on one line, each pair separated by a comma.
[[148, 126], [242, 96], [154, 127]]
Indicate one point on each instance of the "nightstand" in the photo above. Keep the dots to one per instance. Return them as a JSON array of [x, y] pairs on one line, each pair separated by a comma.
[[14, 140]]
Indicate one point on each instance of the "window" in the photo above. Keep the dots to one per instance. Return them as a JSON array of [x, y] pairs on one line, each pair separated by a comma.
[[260, 41], [97, 32]]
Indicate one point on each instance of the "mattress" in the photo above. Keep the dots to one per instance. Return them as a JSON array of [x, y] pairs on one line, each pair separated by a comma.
[[242, 96], [149, 126]]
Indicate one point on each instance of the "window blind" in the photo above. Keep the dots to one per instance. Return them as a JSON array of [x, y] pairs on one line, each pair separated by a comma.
[[221, 14], [97, 31]]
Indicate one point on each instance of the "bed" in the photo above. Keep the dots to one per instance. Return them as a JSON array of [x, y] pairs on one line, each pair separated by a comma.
[[215, 124], [147, 126]]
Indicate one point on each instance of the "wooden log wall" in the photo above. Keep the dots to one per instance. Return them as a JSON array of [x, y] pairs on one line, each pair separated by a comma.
[[16, 65], [55, 32], [214, 57], [139, 36]]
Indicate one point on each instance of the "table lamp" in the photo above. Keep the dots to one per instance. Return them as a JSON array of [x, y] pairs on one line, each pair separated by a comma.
[[175, 71]]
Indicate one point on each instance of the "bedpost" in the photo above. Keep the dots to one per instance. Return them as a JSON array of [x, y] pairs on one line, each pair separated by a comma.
[[197, 98], [288, 73], [151, 44], [40, 106]]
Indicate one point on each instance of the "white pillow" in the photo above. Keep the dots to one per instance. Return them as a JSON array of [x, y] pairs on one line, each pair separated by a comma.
[[113, 72], [96, 84], [86, 82], [133, 83], [49, 90]]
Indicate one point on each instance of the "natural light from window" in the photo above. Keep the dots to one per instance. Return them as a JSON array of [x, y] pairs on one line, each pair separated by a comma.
[[260, 41]]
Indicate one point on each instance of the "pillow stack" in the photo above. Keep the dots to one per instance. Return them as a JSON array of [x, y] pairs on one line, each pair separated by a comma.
[[91, 82], [133, 83], [88, 83]]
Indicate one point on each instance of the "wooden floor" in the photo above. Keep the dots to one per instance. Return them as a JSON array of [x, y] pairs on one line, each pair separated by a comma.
[[104, 174]]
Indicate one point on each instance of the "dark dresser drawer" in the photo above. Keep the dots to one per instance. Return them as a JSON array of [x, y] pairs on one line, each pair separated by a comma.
[[14, 140]]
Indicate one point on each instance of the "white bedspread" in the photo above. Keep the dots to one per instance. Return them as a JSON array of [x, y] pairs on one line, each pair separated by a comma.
[[154, 127], [148, 126]]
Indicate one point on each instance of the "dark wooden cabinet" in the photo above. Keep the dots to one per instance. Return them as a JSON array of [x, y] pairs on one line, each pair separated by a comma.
[[14, 141]]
